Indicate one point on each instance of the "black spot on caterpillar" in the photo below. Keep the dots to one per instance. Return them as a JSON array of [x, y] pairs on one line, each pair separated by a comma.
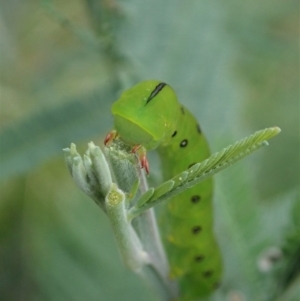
[[195, 199], [196, 229], [199, 258], [184, 143], [207, 273]]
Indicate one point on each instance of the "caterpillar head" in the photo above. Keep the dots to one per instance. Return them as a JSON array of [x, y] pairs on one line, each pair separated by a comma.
[[146, 114]]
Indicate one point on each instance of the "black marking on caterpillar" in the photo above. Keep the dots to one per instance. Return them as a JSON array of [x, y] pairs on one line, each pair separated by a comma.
[[195, 199], [157, 89], [207, 274], [199, 258], [184, 143], [196, 229], [198, 128], [191, 165]]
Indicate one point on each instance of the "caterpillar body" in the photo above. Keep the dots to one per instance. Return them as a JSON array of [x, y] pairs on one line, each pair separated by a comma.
[[149, 116]]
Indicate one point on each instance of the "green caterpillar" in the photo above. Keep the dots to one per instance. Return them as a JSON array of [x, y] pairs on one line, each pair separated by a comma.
[[149, 116]]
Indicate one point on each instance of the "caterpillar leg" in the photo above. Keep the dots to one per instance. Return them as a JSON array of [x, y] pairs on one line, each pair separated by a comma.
[[142, 154], [111, 136]]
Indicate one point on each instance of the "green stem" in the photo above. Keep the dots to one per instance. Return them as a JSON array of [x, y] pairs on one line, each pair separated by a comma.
[[131, 250]]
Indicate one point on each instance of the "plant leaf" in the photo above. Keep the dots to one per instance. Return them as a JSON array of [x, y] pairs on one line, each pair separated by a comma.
[[207, 168]]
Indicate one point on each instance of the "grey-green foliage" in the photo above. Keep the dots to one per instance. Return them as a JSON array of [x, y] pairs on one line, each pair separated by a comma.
[[91, 174], [234, 64], [44, 132]]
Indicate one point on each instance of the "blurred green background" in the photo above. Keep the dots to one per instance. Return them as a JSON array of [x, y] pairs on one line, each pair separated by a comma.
[[234, 63]]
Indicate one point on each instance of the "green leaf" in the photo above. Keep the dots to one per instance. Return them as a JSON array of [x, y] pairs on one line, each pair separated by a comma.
[[162, 189], [145, 197], [209, 167]]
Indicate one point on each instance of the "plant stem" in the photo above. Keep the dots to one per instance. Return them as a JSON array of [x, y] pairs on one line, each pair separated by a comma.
[[129, 244], [146, 226]]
